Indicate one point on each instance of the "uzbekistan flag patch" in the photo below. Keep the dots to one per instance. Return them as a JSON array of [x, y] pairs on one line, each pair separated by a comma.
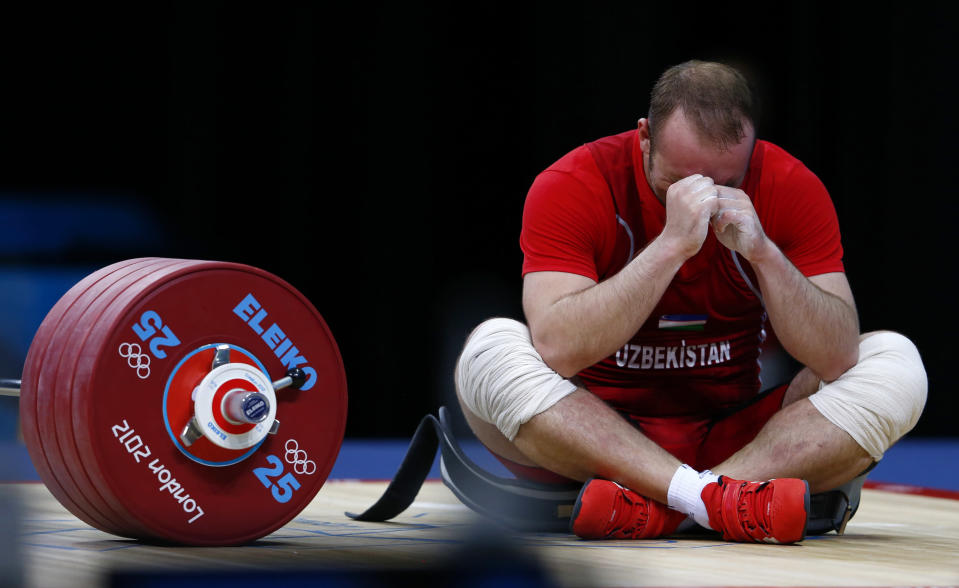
[[683, 322]]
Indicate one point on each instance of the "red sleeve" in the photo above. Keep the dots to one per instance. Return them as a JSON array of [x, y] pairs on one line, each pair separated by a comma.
[[801, 218], [564, 222]]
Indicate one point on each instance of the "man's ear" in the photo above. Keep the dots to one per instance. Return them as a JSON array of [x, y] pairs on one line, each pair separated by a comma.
[[644, 139]]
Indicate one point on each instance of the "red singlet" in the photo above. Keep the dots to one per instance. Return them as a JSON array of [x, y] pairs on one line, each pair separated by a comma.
[[696, 356]]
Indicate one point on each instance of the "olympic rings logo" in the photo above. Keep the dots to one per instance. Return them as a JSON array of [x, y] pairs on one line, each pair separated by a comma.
[[298, 459], [135, 359]]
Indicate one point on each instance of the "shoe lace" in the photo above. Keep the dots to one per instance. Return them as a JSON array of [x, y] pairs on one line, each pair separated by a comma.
[[629, 517], [753, 509]]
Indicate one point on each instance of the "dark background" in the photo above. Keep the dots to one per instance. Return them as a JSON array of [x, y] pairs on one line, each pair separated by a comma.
[[377, 157]]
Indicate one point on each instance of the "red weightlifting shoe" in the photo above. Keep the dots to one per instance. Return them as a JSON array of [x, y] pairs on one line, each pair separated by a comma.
[[761, 512], [606, 510]]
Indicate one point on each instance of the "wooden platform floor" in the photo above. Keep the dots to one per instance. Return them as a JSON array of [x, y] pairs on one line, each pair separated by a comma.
[[894, 540]]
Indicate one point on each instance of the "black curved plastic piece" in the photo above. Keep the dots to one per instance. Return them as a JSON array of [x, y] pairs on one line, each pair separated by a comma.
[[409, 477], [515, 503]]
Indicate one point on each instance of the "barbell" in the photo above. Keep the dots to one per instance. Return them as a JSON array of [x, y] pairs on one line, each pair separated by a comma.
[[183, 401]]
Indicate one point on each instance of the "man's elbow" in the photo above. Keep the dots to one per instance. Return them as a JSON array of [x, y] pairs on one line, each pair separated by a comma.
[[560, 358], [837, 364]]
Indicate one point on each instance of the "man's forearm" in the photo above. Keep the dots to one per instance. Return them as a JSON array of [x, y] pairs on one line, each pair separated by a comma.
[[583, 327], [818, 328]]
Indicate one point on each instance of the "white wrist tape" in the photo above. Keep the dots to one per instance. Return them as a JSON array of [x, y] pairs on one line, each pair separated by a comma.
[[878, 400], [502, 379]]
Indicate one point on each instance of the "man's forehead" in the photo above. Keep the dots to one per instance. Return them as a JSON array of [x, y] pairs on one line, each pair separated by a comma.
[[681, 149]]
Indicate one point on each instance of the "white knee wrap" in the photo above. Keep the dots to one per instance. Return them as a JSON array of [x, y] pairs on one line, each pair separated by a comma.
[[880, 398], [503, 380]]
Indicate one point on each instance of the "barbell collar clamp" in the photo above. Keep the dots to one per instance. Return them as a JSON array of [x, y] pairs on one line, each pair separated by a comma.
[[221, 356], [191, 432]]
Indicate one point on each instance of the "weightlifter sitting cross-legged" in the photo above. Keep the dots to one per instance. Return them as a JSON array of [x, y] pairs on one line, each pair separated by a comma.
[[657, 263]]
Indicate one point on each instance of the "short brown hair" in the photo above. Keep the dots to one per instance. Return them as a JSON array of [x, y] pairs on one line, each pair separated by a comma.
[[715, 97]]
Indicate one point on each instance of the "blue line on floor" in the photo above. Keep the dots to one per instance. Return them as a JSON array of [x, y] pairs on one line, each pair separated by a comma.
[[925, 462]]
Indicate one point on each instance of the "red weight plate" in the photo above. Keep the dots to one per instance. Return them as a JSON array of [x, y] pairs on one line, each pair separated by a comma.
[[120, 416], [31, 394], [73, 345], [59, 444], [56, 375]]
